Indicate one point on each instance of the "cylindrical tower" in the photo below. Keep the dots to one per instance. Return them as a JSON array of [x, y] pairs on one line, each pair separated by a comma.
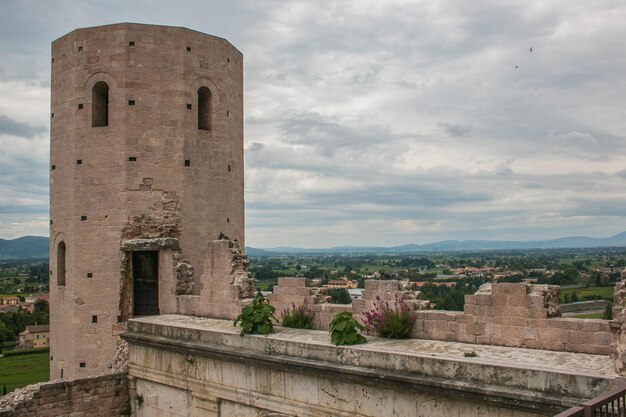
[[146, 167]]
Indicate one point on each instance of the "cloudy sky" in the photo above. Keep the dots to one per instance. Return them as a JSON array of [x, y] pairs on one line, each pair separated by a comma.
[[376, 122]]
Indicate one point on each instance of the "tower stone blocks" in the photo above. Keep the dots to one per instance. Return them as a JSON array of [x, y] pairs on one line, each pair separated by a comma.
[[146, 171]]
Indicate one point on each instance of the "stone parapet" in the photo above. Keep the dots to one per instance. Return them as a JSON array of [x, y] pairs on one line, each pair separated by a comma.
[[209, 369]]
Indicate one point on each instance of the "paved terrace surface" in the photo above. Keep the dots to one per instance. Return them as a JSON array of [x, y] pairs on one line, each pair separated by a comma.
[[509, 357]]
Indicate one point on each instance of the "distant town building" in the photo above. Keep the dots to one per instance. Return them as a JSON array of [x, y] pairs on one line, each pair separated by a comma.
[[9, 300], [340, 283], [35, 337], [355, 293]]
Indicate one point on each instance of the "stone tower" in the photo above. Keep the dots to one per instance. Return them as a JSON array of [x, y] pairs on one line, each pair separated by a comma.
[[146, 171]]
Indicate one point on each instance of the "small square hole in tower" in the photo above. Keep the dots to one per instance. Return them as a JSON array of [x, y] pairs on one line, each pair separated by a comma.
[[131, 44], [188, 106], [52, 115], [53, 60], [132, 158], [89, 274], [227, 113], [83, 218], [51, 222], [80, 49], [53, 167], [187, 162], [189, 49], [227, 219], [131, 102], [94, 319], [79, 162], [228, 60], [82, 364], [228, 168], [80, 106]]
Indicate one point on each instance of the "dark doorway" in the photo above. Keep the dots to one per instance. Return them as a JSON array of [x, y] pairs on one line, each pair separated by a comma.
[[145, 283]]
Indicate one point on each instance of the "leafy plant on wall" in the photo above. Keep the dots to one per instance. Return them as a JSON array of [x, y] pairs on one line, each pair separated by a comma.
[[345, 330], [256, 317]]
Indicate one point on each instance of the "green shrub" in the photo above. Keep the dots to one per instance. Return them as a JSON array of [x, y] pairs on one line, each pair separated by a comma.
[[30, 351], [256, 318], [339, 296], [300, 317], [344, 330]]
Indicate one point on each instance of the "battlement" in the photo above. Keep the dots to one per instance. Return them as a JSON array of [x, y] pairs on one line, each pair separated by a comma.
[[516, 315]]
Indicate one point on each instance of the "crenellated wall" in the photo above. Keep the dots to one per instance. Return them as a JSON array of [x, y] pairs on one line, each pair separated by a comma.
[[519, 315]]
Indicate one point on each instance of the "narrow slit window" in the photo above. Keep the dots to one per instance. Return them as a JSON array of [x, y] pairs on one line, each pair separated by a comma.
[[61, 263], [204, 108], [100, 104]]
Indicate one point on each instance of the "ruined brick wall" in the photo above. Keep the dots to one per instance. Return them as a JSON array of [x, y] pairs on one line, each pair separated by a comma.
[[619, 325], [292, 291], [517, 315], [226, 284], [100, 396]]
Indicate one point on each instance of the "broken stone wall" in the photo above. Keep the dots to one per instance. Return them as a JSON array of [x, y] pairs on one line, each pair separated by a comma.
[[619, 325], [517, 315], [100, 396], [226, 283]]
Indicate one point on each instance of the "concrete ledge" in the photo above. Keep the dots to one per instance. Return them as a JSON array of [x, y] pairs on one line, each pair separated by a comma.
[[544, 381]]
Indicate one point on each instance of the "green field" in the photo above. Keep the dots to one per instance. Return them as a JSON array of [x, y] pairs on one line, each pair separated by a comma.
[[605, 293], [21, 370], [264, 285], [587, 316]]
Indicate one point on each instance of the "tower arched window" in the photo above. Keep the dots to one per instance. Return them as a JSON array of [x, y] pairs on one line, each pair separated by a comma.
[[100, 104], [204, 108], [61, 263]]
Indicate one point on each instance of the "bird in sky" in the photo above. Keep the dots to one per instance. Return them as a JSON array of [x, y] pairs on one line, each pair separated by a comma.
[[531, 49]]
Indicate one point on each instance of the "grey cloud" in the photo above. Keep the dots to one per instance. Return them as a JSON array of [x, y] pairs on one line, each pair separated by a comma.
[[455, 129], [329, 135], [11, 127], [360, 116]]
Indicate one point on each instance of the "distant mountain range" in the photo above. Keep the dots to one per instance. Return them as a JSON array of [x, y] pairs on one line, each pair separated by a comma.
[[456, 245], [29, 247], [26, 247]]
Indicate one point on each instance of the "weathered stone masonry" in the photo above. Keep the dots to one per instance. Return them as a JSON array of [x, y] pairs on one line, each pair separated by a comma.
[[101, 396], [146, 156], [517, 315]]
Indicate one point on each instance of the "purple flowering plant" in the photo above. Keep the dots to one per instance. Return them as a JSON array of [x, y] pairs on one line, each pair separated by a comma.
[[298, 317], [394, 320]]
